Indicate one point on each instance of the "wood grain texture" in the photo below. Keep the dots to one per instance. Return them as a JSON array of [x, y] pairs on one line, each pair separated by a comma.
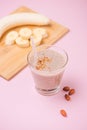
[[13, 58]]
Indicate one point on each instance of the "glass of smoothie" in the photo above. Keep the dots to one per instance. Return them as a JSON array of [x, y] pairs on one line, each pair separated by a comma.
[[47, 68]]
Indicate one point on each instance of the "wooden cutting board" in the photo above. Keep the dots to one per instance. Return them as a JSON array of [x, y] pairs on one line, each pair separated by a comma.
[[13, 58]]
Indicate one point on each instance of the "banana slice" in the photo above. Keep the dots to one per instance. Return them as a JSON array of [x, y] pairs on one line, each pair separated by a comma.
[[22, 42], [41, 31], [25, 33], [11, 37], [37, 38]]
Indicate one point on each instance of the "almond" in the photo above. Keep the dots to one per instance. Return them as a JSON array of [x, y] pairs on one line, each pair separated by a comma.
[[66, 88], [71, 92], [67, 97], [63, 112]]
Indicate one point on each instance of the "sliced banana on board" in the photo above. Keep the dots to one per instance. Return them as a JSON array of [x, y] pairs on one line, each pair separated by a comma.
[[25, 33], [41, 31], [23, 37], [11, 37], [36, 39], [22, 42]]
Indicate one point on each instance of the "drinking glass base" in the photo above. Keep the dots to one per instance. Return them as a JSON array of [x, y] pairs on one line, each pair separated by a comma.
[[48, 92]]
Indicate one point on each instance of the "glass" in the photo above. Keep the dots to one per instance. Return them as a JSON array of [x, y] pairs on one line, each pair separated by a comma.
[[48, 79]]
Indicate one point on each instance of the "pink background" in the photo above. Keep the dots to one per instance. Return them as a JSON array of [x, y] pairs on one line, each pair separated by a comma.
[[21, 107]]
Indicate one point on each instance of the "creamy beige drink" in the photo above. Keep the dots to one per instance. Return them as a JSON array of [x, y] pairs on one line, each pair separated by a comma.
[[48, 70]]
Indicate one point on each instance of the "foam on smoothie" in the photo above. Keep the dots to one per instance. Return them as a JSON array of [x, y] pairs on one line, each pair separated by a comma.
[[49, 60]]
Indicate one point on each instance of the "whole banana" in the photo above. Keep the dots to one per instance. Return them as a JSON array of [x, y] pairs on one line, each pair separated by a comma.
[[18, 19]]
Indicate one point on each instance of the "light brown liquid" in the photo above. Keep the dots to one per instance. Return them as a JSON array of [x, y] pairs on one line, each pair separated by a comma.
[[49, 77]]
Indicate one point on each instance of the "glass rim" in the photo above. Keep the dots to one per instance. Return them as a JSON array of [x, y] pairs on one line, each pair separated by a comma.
[[63, 50]]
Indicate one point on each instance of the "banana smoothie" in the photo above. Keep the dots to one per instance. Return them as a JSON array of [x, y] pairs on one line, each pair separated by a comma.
[[48, 70]]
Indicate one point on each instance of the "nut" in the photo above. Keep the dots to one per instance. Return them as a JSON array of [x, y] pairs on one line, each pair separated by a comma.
[[71, 92], [66, 88], [41, 63], [63, 113], [67, 97]]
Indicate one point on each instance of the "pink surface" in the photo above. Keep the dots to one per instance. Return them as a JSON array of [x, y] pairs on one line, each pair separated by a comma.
[[21, 107]]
